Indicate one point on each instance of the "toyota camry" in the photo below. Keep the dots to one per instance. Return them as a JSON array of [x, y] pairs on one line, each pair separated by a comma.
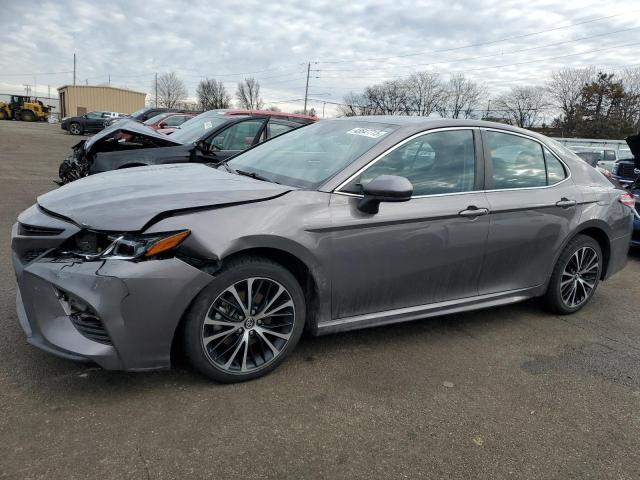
[[344, 224]]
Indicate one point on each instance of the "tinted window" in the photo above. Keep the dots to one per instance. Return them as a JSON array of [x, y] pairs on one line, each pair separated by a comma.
[[517, 161], [237, 137], [275, 129], [435, 163], [95, 115], [555, 169]]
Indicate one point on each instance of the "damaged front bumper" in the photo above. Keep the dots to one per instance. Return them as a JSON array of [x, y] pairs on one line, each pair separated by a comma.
[[118, 313]]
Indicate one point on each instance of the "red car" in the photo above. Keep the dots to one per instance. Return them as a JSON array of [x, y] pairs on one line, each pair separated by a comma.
[[292, 117], [168, 120]]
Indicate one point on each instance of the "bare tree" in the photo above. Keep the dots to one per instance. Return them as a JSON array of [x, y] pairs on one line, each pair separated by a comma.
[[388, 98], [523, 105], [212, 94], [565, 90], [248, 94], [425, 93], [355, 105], [171, 90], [463, 97]]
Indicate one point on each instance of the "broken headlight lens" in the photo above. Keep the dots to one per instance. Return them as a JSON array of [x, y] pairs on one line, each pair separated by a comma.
[[132, 247]]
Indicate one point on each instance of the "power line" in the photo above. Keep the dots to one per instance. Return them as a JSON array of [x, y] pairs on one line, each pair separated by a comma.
[[491, 42], [468, 59]]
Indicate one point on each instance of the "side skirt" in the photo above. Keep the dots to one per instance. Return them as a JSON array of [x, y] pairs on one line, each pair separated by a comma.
[[425, 311]]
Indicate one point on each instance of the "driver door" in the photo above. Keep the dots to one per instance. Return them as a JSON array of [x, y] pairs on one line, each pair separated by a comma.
[[426, 250], [233, 139]]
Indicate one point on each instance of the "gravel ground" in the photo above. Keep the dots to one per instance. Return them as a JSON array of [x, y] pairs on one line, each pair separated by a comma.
[[511, 392]]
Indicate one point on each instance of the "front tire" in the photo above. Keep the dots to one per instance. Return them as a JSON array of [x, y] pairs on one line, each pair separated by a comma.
[[27, 116], [575, 276], [245, 322], [75, 128]]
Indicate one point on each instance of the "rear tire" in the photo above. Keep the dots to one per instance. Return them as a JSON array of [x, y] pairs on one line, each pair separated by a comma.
[[75, 128], [575, 276], [3, 115], [230, 339]]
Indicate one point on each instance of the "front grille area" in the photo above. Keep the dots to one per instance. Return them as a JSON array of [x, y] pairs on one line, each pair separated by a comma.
[[625, 170], [83, 317], [33, 231], [91, 327]]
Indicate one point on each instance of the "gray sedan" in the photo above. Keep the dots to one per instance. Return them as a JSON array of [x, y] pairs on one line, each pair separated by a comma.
[[343, 224]]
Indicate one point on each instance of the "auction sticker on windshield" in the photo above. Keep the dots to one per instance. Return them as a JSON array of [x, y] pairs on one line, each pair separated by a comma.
[[208, 125], [367, 132]]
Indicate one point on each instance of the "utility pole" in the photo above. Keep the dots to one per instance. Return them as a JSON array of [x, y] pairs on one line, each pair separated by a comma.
[[323, 105], [74, 68], [27, 89], [306, 88], [49, 91], [156, 90], [109, 79]]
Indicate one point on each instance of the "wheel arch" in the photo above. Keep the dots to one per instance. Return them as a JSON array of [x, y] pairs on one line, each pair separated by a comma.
[[601, 233]]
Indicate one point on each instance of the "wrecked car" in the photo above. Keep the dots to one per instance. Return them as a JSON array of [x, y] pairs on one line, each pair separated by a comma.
[[339, 225], [209, 137]]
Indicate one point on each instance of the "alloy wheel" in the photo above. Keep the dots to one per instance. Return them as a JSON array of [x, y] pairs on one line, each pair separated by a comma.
[[74, 129], [248, 325], [579, 277]]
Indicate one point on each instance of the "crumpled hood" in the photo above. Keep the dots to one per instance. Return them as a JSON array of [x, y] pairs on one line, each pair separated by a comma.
[[127, 200], [634, 144], [130, 127]]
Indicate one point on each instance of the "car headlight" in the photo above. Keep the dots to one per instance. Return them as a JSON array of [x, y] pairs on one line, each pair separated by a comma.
[[133, 247]]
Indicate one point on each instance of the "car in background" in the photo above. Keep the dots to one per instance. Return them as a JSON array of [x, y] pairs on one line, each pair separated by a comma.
[[627, 170], [338, 225], [603, 157], [146, 113], [210, 137], [91, 122], [291, 117], [634, 189], [168, 120]]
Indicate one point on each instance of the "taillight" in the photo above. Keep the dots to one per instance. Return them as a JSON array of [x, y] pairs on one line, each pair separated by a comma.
[[627, 199]]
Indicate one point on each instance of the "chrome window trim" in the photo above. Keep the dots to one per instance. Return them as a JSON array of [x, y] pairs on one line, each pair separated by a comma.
[[425, 132], [395, 147]]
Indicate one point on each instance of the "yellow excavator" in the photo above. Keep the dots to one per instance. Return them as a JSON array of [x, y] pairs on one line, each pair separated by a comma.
[[24, 108]]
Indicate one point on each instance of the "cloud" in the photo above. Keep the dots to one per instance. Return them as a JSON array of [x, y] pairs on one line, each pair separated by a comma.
[[130, 41]]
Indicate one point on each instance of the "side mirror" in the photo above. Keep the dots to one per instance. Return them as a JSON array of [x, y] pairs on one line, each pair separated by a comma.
[[203, 147], [162, 125], [385, 188]]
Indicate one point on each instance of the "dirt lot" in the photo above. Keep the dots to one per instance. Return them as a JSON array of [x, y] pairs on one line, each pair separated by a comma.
[[506, 393]]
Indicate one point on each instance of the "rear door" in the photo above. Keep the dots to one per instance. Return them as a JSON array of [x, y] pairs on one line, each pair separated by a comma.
[[94, 121], [533, 203]]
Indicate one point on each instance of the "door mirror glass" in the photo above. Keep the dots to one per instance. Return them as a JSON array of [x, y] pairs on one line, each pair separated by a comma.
[[204, 147], [385, 188]]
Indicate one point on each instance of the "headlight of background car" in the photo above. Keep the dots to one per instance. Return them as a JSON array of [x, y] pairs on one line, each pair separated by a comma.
[[99, 246]]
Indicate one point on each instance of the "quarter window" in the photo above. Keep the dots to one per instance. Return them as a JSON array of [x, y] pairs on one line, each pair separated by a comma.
[[519, 162], [434, 163]]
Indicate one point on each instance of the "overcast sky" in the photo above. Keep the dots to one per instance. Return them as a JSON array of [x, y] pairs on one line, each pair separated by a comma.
[[349, 44]]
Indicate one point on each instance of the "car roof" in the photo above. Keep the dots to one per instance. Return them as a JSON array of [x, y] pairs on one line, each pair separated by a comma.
[[417, 124]]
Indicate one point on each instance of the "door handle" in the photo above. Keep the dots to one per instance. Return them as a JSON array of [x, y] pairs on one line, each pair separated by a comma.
[[473, 211], [565, 203]]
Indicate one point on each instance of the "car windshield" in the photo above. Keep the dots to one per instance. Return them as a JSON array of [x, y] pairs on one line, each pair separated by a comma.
[[308, 156], [155, 119], [193, 129]]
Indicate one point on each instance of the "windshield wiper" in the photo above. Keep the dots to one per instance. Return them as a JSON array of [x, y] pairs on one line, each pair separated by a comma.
[[255, 175], [226, 166]]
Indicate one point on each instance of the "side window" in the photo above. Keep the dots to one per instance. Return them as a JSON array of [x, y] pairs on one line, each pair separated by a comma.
[[609, 155], [435, 163], [555, 169], [517, 161], [275, 129], [95, 115], [174, 120], [237, 137]]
